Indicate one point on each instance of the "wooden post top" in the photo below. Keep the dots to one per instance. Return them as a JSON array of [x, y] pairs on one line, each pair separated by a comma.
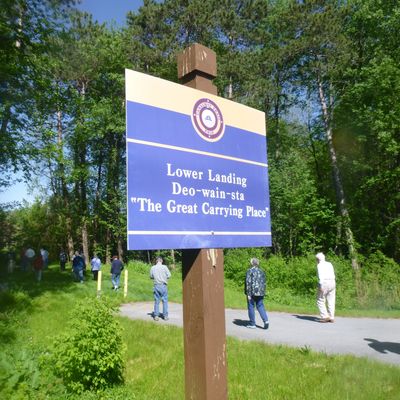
[[197, 67]]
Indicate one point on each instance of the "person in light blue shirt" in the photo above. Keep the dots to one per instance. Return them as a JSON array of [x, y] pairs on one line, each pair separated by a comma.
[[95, 266], [160, 275]]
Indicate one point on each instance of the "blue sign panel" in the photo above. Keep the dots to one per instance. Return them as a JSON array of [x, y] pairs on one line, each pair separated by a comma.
[[197, 173]]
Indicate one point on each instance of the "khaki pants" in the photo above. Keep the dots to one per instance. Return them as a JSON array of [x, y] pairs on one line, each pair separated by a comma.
[[326, 296]]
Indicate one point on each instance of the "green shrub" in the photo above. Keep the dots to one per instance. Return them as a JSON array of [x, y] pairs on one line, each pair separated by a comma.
[[292, 281], [277, 272], [302, 278], [237, 261], [19, 374], [380, 282], [139, 266], [384, 270], [89, 355]]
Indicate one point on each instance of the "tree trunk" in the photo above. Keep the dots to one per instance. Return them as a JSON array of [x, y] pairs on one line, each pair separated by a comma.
[[120, 249], [148, 257], [277, 116], [85, 241], [344, 213], [82, 184], [64, 190], [108, 239], [96, 210], [230, 89], [70, 241], [173, 259], [5, 119]]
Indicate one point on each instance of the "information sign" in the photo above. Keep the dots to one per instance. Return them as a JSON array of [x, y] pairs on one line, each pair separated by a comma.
[[197, 172]]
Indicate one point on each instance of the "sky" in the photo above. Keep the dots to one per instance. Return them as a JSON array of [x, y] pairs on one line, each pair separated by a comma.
[[108, 11]]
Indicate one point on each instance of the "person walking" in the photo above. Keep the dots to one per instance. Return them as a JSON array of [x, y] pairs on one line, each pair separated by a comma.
[[29, 256], [78, 266], [326, 294], [255, 287], [45, 257], [63, 260], [11, 262], [116, 267], [160, 274], [95, 266], [38, 267]]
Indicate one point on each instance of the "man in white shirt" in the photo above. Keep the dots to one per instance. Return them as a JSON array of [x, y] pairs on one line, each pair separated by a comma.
[[160, 275], [326, 289]]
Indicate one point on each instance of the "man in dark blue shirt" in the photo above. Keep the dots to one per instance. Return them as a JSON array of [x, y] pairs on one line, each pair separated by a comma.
[[78, 266], [116, 268]]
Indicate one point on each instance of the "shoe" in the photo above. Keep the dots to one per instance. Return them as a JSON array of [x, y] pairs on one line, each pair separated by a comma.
[[156, 318], [266, 325], [331, 320], [251, 326], [324, 320], [166, 318]]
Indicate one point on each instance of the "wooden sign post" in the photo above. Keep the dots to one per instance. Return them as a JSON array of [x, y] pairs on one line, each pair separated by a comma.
[[203, 275], [197, 179]]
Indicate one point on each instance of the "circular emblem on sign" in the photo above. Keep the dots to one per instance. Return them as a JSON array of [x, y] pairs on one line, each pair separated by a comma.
[[207, 120]]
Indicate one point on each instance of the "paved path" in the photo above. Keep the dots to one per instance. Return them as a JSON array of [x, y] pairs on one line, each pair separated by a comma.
[[378, 339]]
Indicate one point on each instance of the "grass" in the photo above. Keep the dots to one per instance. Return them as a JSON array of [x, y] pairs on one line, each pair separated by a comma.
[[32, 315], [255, 370]]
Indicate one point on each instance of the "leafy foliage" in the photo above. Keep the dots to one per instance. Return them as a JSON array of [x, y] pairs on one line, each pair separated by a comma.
[[89, 355], [237, 261], [62, 110]]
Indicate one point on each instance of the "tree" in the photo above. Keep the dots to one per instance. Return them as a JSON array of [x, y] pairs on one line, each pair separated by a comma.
[[321, 53], [369, 114], [302, 220], [24, 27]]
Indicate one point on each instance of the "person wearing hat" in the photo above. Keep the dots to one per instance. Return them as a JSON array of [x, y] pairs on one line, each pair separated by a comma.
[[160, 275], [255, 286], [326, 294]]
